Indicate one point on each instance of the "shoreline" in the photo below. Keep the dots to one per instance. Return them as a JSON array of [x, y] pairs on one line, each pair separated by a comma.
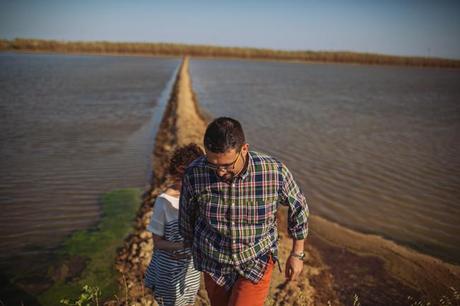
[[84, 257], [340, 262], [430, 276], [223, 58], [20, 45]]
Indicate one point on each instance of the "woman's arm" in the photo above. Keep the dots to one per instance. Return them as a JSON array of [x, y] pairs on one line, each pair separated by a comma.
[[161, 244]]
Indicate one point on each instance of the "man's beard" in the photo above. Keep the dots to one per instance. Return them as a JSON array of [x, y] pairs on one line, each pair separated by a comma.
[[228, 177]]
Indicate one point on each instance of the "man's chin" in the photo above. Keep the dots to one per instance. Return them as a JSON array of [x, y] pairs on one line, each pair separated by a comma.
[[227, 178]]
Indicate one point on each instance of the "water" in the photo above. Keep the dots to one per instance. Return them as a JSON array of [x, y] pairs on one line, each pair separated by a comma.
[[73, 128], [375, 148]]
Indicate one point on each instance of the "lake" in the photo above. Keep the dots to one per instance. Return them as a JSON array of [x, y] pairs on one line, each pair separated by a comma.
[[73, 128], [375, 148]]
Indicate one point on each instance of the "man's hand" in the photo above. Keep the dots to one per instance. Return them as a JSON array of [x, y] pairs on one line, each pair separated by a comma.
[[294, 266]]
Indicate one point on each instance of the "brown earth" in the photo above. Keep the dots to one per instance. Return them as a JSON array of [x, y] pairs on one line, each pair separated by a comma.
[[340, 263]]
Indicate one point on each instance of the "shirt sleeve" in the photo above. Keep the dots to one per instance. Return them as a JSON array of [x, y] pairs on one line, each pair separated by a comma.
[[298, 211], [157, 223], [186, 210]]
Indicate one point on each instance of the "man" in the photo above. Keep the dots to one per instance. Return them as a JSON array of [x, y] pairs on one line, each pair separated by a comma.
[[227, 213]]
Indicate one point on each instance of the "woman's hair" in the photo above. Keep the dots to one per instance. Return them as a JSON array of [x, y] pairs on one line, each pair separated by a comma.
[[182, 157]]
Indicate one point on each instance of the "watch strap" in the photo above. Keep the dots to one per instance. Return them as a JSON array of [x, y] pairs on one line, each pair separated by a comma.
[[298, 255]]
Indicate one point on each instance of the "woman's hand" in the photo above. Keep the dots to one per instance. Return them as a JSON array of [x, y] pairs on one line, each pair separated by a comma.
[[160, 243]]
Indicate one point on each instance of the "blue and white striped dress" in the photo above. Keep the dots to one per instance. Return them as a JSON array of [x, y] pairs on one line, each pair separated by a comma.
[[173, 281]]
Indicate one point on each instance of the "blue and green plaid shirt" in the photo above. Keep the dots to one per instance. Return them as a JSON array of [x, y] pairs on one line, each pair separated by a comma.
[[232, 227]]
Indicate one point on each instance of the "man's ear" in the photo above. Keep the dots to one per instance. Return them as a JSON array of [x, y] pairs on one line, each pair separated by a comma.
[[245, 148]]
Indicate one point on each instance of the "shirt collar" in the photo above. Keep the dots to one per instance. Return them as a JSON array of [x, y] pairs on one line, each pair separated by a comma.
[[249, 168]]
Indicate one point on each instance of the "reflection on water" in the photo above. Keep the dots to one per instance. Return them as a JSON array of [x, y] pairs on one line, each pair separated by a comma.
[[374, 148], [73, 127]]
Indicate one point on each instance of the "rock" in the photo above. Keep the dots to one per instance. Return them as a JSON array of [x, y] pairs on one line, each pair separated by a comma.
[[144, 235], [135, 260], [123, 256], [146, 261]]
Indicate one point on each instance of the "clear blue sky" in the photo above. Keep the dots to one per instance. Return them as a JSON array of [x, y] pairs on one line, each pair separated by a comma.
[[402, 27]]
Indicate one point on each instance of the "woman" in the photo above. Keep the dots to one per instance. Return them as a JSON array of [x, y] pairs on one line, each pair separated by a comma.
[[171, 274]]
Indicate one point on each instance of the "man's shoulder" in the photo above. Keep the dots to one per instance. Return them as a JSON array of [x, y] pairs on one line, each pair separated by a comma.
[[260, 158], [196, 166], [199, 162]]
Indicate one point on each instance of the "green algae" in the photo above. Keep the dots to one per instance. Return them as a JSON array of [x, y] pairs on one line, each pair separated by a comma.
[[96, 249]]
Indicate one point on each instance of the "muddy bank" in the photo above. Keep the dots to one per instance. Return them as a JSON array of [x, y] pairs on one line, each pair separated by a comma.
[[340, 262]]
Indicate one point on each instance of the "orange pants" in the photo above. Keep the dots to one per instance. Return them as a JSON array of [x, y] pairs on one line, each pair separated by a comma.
[[243, 292]]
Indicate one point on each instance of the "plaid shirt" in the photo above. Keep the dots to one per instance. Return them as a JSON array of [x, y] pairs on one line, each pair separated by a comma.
[[232, 227]]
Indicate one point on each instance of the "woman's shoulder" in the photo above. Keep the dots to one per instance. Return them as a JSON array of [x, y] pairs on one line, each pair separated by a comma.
[[172, 192], [168, 200]]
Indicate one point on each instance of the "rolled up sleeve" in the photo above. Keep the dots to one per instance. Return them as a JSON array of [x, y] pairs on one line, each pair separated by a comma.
[[298, 212]]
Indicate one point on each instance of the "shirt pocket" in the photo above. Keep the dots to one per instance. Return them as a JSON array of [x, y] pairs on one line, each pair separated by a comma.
[[211, 207], [261, 212]]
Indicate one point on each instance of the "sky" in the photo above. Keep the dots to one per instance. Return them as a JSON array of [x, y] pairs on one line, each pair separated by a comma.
[[398, 27]]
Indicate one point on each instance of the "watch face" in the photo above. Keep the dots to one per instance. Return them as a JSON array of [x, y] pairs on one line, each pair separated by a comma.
[[300, 256]]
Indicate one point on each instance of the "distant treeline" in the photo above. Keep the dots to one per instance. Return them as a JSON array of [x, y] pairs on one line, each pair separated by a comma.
[[168, 49]]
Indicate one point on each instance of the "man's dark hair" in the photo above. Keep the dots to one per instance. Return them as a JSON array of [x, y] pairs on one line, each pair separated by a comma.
[[224, 134]]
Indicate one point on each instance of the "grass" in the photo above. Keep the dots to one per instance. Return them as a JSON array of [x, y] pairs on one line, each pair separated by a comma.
[[98, 247], [168, 49]]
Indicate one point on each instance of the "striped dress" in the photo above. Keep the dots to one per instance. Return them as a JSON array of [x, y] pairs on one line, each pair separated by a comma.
[[173, 281]]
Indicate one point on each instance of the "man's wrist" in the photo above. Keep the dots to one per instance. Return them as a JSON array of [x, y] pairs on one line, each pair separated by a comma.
[[298, 246], [298, 255]]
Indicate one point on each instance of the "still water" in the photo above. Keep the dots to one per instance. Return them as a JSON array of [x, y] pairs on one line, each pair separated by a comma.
[[374, 148], [72, 128]]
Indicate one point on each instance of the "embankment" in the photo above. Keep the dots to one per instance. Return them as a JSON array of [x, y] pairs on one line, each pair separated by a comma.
[[183, 122], [340, 262]]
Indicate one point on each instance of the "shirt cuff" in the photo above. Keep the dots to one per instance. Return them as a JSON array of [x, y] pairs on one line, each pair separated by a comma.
[[299, 234]]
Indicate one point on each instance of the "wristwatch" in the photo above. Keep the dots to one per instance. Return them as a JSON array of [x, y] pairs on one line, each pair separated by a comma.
[[300, 256]]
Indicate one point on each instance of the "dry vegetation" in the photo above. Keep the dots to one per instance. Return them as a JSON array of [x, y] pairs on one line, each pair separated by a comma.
[[167, 49]]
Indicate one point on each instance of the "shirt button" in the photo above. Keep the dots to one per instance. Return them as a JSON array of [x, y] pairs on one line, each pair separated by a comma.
[[233, 223], [233, 241]]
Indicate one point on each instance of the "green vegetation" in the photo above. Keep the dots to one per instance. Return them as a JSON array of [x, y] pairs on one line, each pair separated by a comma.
[[89, 296], [167, 49], [98, 248]]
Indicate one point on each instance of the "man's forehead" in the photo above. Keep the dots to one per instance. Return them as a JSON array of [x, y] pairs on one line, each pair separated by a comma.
[[228, 152]]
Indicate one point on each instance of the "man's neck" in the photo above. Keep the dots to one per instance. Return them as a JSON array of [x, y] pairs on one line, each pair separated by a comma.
[[245, 165]]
